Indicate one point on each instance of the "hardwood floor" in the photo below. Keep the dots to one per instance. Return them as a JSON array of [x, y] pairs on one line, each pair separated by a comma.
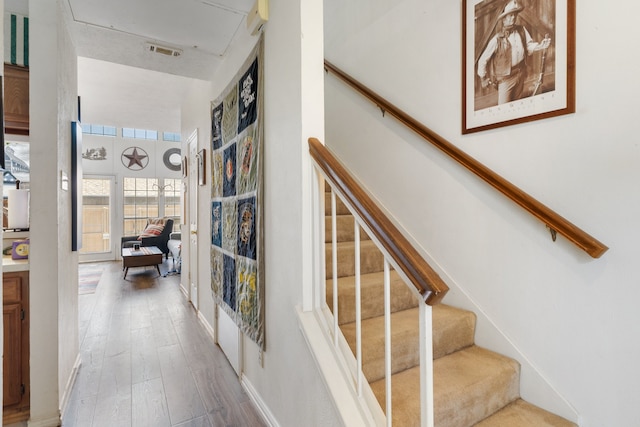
[[147, 360]]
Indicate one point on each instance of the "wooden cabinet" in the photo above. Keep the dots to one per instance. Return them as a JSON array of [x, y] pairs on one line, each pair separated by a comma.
[[15, 310], [16, 100]]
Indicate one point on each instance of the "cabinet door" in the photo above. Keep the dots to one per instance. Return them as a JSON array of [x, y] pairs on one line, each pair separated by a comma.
[[16, 99], [12, 364]]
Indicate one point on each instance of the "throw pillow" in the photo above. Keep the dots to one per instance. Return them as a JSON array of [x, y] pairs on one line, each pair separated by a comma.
[[157, 221], [153, 228]]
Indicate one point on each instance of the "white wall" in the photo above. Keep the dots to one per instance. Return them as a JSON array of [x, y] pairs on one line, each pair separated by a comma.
[[53, 273], [571, 316], [288, 383]]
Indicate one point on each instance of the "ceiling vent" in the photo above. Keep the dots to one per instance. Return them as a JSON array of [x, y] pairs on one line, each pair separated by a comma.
[[164, 50]]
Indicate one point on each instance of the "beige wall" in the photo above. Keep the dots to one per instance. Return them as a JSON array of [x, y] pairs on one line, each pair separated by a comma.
[[53, 274]]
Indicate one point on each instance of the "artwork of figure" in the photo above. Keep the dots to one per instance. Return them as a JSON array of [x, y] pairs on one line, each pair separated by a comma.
[[504, 64]]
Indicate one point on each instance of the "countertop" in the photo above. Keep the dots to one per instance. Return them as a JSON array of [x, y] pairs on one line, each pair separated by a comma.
[[10, 265]]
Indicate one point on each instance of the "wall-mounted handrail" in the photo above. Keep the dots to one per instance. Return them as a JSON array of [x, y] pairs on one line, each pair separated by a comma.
[[418, 271], [552, 219]]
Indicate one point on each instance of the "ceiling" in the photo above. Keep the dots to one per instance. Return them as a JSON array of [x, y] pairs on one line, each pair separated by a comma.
[[121, 31], [113, 36]]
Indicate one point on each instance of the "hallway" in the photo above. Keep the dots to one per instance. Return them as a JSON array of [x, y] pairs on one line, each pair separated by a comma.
[[148, 361]]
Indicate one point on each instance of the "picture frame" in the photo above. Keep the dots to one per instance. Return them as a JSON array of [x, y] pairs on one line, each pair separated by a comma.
[[498, 92], [202, 163], [76, 186]]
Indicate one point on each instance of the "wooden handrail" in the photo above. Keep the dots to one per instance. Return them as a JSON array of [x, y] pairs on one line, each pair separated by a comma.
[[418, 271], [553, 220]]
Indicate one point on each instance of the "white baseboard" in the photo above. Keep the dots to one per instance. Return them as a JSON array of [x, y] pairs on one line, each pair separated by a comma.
[[262, 407], [184, 291], [70, 383], [49, 422], [207, 326]]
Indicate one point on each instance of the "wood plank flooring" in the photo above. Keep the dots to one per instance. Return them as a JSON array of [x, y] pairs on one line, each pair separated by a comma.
[[147, 360]]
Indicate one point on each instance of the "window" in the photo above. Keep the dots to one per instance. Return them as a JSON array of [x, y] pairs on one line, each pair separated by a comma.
[[140, 133], [171, 136], [150, 198], [98, 130], [172, 205]]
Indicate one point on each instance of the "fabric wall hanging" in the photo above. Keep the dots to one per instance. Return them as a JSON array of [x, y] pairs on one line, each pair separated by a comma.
[[237, 270]]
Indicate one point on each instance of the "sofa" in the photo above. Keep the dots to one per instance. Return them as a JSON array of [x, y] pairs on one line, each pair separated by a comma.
[[159, 240]]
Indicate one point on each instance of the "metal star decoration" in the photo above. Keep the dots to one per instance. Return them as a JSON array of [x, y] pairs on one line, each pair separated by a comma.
[[136, 158]]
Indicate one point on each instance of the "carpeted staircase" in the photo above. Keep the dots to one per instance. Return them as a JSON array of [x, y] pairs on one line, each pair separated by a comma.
[[472, 386]]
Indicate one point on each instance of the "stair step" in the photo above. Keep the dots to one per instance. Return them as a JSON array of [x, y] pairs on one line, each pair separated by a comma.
[[524, 414], [453, 329], [469, 385], [344, 229], [372, 295], [472, 386], [371, 259], [405, 352]]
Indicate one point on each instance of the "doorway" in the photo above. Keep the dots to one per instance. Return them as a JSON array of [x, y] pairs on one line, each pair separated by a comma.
[[97, 220]]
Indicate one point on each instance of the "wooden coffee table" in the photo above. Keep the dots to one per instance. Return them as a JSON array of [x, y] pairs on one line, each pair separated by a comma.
[[144, 257]]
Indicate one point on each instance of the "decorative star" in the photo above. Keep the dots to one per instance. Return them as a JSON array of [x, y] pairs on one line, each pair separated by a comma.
[[135, 158]]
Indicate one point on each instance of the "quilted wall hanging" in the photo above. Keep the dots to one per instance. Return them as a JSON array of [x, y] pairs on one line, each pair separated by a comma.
[[237, 273]]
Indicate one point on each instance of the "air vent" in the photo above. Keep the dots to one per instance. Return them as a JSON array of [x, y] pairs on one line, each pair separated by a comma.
[[164, 50]]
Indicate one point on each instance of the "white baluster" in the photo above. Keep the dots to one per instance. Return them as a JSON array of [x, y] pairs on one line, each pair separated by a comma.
[[426, 366], [387, 341], [334, 267], [356, 238]]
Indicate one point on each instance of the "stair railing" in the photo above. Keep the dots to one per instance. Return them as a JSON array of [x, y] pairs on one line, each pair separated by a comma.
[[398, 253], [554, 221]]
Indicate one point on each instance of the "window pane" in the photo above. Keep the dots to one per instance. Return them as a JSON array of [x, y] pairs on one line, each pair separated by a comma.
[[152, 134], [128, 133], [141, 201], [172, 206]]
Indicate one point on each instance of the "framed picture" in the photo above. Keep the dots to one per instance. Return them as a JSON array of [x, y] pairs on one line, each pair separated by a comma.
[[518, 61], [76, 186], [201, 167]]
